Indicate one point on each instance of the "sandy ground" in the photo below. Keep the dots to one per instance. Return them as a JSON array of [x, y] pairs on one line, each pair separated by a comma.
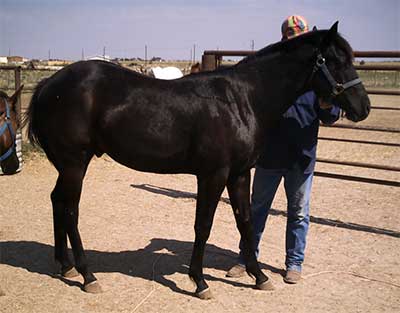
[[137, 229]]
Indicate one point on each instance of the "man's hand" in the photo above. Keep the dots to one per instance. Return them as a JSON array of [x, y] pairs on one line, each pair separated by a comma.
[[324, 105]]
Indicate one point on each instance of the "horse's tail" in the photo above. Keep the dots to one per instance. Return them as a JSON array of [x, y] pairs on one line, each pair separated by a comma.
[[30, 119]]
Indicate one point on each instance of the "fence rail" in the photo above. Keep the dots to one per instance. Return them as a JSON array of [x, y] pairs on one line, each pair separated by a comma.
[[378, 143], [357, 54], [384, 182], [367, 128]]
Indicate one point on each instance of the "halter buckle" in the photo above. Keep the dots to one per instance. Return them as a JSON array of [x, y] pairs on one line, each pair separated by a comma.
[[320, 60], [338, 89]]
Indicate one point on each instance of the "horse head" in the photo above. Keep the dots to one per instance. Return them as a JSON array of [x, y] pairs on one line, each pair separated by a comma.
[[9, 124], [334, 76]]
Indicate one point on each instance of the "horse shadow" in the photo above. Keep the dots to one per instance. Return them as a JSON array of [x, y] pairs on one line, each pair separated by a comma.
[[155, 262], [313, 219]]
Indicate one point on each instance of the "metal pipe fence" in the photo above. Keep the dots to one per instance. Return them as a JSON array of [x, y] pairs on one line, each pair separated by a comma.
[[212, 59]]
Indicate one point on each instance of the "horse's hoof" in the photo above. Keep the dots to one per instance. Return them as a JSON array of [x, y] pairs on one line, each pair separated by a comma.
[[70, 273], [204, 294], [267, 285], [93, 287]]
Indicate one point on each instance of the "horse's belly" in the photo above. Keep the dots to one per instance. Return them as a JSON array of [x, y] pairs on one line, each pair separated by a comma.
[[155, 161]]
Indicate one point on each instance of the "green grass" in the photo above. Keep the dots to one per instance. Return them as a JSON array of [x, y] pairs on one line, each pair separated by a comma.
[[28, 78], [383, 79]]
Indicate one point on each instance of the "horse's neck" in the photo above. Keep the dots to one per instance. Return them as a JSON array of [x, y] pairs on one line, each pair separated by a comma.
[[280, 80]]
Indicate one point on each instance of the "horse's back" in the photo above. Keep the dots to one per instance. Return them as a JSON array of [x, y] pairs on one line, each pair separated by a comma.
[[144, 123], [103, 108]]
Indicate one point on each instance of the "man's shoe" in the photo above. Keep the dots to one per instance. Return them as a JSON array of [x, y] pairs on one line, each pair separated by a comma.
[[236, 271], [292, 277]]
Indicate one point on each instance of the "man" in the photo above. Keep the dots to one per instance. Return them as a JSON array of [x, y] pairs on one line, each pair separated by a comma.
[[289, 153]]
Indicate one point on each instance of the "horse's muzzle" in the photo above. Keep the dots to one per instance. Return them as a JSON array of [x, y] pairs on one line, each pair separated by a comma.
[[10, 165]]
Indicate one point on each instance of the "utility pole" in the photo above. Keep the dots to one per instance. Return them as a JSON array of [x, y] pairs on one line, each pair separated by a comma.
[[194, 53], [145, 54], [252, 45], [104, 52], [49, 54], [83, 54]]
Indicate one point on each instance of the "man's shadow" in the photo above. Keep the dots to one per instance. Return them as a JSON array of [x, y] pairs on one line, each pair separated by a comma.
[[159, 259]]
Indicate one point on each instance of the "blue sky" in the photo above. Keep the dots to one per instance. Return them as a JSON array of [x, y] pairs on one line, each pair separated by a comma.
[[170, 29]]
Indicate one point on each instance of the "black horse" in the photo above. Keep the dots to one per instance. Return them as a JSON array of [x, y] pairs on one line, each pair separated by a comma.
[[8, 128], [209, 124]]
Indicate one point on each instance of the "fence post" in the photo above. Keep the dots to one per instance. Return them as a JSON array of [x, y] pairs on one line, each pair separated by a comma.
[[208, 62], [17, 84]]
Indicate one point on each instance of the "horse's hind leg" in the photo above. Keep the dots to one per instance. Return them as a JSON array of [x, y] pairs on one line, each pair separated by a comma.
[[239, 194], [209, 192], [60, 232], [69, 186]]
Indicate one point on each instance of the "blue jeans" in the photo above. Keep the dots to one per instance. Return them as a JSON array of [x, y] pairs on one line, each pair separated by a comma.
[[298, 188]]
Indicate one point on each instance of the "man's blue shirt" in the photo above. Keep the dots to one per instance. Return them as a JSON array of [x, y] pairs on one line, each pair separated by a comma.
[[294, 140]]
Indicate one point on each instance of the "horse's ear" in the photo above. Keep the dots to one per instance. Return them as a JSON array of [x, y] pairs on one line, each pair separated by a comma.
[[330, 35], [334, 28], [14, 97], [314, 28]]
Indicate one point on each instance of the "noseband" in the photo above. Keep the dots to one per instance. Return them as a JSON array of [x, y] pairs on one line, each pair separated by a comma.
[[3, 128], [337, 88]]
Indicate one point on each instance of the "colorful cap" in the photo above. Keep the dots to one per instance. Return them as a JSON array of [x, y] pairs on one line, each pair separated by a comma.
[[294, 25]]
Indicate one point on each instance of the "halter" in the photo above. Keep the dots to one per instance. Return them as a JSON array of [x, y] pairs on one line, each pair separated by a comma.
[[3, 128], [337, 88]]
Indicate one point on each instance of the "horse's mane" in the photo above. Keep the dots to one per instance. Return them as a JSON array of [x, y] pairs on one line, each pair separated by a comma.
[[312, 37], [343, 45]]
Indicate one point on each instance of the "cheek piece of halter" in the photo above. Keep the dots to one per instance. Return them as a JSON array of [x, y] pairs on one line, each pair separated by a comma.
[[3, 128], [337, 88]]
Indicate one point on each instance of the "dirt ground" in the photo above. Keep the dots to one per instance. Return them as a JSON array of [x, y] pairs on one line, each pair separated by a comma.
[[137, 230]]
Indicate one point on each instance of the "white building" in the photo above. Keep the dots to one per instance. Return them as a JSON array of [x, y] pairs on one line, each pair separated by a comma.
[[100, 57]]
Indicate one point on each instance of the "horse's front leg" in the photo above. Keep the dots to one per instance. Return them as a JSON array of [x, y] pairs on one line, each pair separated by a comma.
[[209, 190], [239, 194]]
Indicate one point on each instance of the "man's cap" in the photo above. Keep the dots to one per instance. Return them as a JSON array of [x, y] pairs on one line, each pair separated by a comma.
[[294, 25]]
